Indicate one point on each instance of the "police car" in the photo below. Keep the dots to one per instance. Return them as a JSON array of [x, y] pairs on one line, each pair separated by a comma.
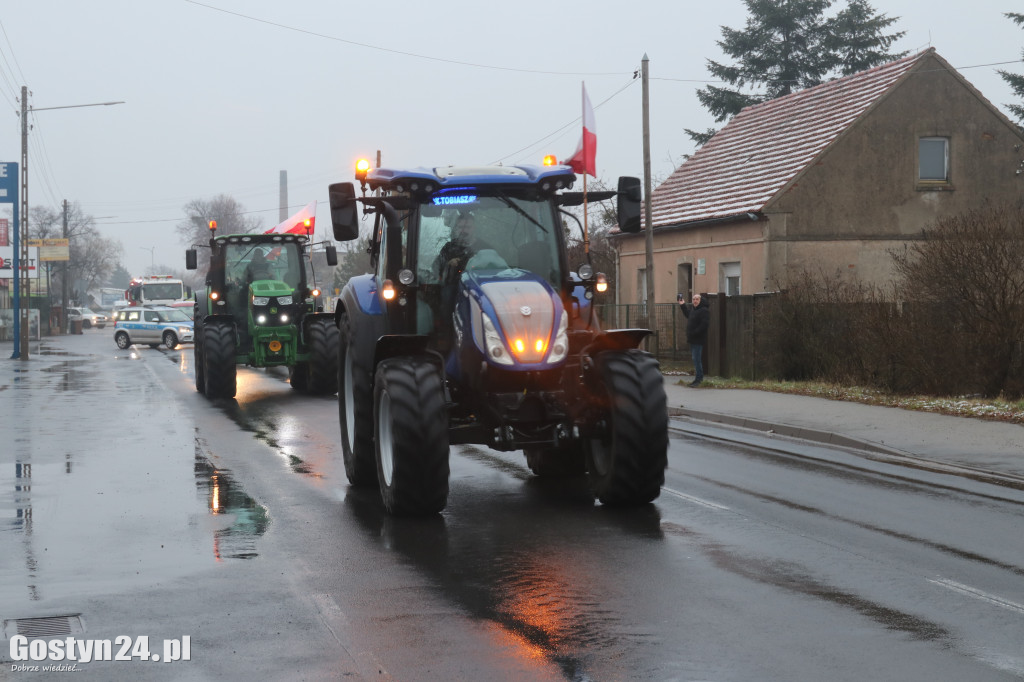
[[152, 325]]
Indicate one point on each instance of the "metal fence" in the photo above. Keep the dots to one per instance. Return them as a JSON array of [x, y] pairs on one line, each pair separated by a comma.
[[731, 350], [669, 326]]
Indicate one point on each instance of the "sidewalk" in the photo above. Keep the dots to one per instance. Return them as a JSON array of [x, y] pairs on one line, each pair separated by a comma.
[[995, 449]]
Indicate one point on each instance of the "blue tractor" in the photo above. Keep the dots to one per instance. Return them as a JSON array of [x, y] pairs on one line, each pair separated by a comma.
[[473, 328]]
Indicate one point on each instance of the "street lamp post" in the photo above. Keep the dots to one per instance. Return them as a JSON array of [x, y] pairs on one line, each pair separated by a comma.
[[21, 319], [152, 264]]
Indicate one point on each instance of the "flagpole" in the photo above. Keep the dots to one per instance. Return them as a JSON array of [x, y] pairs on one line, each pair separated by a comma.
[[583, 129]]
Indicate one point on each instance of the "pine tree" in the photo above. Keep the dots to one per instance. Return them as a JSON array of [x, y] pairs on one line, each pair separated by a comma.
[[1015, 80], [789, 45], [857, 40]]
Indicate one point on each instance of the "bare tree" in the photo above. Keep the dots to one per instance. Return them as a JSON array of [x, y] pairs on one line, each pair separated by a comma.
[[231, 218], [967, 269], [92, 257]]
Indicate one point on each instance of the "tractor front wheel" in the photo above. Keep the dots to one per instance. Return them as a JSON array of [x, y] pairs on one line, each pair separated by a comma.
[[411, 435], [627, 448], [219, 359], [197, 357], [355, 410]]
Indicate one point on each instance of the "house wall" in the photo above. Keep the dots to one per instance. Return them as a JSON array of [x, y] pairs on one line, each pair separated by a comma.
[[741, 242], [858, 202], [863, 199]]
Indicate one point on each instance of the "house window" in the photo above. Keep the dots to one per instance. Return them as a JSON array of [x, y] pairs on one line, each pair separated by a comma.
[[933, 159], [729, 278]]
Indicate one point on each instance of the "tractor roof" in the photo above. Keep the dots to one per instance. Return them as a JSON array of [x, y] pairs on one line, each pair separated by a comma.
[[280, 238], [430, 179]]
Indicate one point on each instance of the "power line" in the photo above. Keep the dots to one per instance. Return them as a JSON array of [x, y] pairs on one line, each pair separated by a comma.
[[393, 51], [567, 125], [13, 56]]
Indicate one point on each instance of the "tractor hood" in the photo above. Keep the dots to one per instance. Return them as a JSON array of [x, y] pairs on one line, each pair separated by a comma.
[[517, 318], [270, 287]]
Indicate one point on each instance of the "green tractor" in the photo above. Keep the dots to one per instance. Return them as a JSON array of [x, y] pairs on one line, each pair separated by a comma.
[[260, 310]]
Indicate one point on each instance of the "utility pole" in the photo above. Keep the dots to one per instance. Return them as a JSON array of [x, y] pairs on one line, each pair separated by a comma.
[[26, 305], [648, 220], [64, 278]]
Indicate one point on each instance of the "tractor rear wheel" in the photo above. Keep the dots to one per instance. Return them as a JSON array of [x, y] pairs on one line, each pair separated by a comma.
[[322, 342], [561, 462], [627, 449], [355, 410], [411, 436], [298, 376], [219, 359]]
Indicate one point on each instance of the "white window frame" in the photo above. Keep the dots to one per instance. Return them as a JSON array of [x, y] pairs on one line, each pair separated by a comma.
[[727, 271], [930, 141]]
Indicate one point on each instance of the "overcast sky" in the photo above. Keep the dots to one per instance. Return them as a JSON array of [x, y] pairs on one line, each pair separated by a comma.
[[222, 95]]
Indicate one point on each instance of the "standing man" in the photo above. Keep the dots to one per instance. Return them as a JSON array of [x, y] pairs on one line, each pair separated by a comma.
[[698, 318]]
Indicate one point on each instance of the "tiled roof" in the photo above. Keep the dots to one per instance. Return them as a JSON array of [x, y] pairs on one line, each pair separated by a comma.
[[767, 145]]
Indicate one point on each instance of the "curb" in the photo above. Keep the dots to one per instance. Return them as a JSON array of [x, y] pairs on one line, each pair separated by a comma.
[[868, 449], [803, 433]]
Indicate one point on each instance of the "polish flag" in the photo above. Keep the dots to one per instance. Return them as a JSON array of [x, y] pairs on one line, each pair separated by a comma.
[[300, 223], [584, 160]]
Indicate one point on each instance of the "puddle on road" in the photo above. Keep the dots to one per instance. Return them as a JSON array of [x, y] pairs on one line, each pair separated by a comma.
[[285, 433], [245, 519]]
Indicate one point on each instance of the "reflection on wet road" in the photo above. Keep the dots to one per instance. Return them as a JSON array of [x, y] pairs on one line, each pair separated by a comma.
[[245, 520], [102, 484], [757, 562]]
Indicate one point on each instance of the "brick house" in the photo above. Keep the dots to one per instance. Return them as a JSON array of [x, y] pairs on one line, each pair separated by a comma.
[[831, 177]]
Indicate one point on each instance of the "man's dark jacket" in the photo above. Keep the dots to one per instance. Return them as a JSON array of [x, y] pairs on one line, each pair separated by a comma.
[[697, 321]]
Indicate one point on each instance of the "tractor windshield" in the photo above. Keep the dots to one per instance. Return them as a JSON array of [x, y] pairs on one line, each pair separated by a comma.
[[248, 262], [489, 229]]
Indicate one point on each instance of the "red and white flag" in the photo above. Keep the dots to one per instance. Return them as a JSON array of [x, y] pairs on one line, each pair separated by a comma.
[[302, 222], [584, 160]]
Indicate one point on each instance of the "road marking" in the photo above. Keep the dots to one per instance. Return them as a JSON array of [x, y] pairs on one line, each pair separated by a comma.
[[978, 594], [695, 500]]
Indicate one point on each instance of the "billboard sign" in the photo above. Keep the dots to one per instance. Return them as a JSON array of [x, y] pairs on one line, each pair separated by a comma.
[[30, 269]]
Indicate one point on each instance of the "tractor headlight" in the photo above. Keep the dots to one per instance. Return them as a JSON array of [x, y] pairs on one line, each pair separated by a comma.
[[261, 319], [284, 300], [560, 348], [284, 319], [493, 345], [261, 300]]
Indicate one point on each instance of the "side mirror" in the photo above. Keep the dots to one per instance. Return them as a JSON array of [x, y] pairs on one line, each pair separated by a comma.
[[628, 205], [344, 212], [190, 259], [332, 255]]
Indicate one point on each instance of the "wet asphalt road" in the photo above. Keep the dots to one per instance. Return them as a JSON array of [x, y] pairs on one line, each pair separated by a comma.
[[128, 498]]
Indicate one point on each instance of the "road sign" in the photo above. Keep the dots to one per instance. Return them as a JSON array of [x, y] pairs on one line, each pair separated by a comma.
[[51, 249]]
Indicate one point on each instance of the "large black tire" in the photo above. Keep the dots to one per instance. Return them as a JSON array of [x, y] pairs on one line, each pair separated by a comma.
[[627, 452], [355, 411], [219, 359], [122, 340], [298, 376], [198, 361], [322, 342], [170, 340], [411, 436], [562, 462]]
